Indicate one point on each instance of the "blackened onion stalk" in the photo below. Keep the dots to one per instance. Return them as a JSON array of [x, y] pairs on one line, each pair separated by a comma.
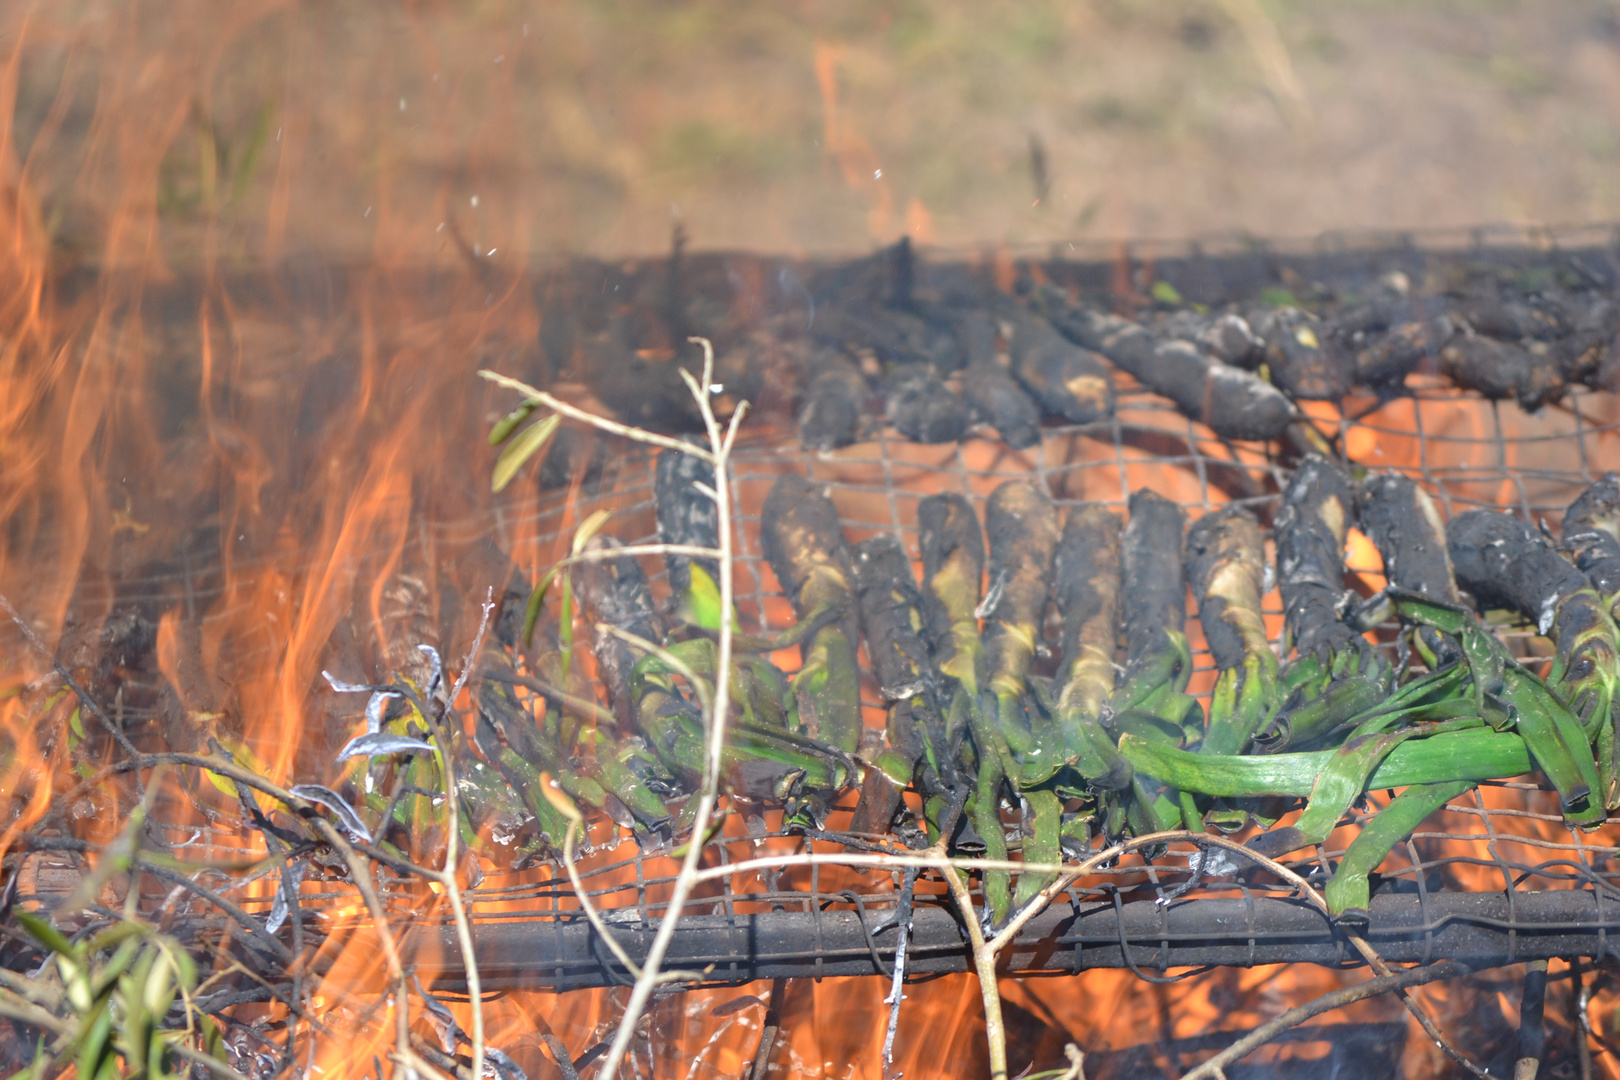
[[805, 546]]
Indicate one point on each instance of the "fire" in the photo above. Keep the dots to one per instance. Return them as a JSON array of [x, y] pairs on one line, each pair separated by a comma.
[[256, 470]]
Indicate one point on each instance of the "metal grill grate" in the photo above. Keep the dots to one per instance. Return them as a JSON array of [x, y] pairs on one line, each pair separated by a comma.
[[1497, 872]]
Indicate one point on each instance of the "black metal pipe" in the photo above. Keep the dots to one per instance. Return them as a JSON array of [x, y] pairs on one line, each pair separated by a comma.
[[1406, 927]]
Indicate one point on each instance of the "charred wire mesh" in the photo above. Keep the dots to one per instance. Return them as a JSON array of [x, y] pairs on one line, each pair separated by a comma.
[[1497, 871]]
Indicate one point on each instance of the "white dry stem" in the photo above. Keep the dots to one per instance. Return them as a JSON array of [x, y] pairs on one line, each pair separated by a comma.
[[718, 454], [452, 844], [574, 412], [570, 863], [603, 554], [361, 873]]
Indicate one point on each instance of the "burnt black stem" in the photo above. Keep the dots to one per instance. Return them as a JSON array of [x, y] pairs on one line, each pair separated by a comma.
[[767, 1038], [1579, 1021], [897, 987], [1532, 1032]]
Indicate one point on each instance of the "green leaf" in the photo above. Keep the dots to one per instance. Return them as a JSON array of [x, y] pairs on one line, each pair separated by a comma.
[[588, 529], [247, 163], [565, 627], [531, 614], [509, 423], [93, 1052], [521, 449], [703, 600], [1165, 293], [114, 968], [160, 985], [46, 934]]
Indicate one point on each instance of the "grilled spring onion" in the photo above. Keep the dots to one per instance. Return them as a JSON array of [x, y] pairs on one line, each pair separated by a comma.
[[522, 750], [999, 401], [758, 762], [1023, 530], [1317, 512], [1401, 520], [953, 568], [614, 592], [1335, 674], [805, 546], [1343, 778], [1592, 535], [1068, 381], [1236, 404], [1477, 753], [1505, 694], [1086, 582], [830, 415], [1226, 568], [1158, 663], [1348, 892], [1505, 564], [921, 407], [688, 516], [1304, 361], [1152, 700], [891, 618]]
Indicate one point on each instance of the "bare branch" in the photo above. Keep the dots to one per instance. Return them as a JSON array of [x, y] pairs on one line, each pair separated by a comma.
[[1338, 999], [573, 412], [687, 879]]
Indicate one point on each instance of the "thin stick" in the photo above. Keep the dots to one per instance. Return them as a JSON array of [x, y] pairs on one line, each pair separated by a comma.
[[697, 551], [1532, 1032], [767, 1035], [687, 878], [1338, 999], [897, 982], [447, 878], [573, 412], [984, 968], [1581, 1022], [570, 836]]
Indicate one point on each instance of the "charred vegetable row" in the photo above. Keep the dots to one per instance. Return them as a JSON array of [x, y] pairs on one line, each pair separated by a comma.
[[1045, 753], [933, 348]]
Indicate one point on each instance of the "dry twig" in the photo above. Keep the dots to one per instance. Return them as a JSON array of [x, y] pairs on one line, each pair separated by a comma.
[[719, 454]]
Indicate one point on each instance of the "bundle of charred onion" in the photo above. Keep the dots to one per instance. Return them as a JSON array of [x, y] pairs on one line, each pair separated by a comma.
[[931, 348], [979, 717]]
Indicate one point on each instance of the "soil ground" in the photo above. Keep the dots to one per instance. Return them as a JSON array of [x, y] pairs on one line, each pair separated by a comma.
[[349, 130]]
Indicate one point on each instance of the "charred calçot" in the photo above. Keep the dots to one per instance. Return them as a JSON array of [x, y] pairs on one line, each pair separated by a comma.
[[1235, 403], [1335, 675], [1039, 749], [931, 347]]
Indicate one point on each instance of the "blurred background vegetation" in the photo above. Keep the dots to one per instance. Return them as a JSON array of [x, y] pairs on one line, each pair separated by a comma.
[[276, 128]]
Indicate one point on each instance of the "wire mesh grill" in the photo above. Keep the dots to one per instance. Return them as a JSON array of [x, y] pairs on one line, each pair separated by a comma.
[[1506, 840]]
